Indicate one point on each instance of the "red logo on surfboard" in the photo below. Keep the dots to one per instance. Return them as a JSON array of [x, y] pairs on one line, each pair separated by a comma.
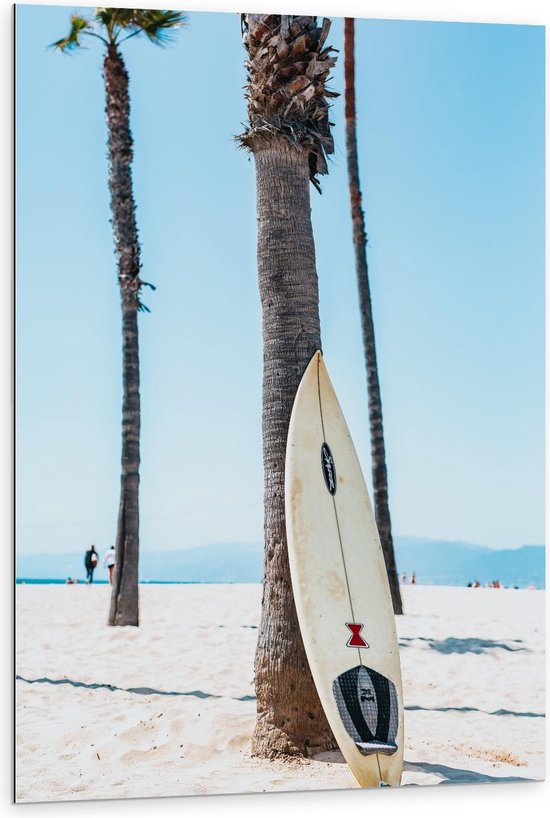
[[356, 640]]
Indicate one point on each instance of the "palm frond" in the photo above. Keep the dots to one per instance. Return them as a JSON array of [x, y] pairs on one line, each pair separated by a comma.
[[79, 26], [156, 24], [105, 16], [159, 25], [115, 20]]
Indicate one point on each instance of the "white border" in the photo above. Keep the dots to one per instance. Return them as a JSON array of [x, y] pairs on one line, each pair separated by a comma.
[[494, 799]]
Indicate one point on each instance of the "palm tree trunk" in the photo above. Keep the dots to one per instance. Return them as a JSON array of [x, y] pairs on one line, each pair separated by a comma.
[[378, 452], [124, 608], [290, 718]]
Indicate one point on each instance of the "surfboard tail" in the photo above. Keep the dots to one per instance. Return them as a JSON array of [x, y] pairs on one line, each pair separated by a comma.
[[368, 706]]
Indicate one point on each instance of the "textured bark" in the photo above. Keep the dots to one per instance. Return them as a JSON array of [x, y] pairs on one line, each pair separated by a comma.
[[290, 718], [378, 451], [287, 94], [289, 134], [124, 608]]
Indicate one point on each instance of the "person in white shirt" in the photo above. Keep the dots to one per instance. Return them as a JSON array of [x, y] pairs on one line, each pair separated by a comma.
[[109, 562]]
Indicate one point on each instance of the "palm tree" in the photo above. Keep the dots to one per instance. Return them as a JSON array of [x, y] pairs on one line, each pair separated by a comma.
[[289, 135], [378, 451], [112, 27]]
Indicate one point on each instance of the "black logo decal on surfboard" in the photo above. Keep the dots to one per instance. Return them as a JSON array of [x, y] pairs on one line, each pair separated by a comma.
[[329, 471], [368, 707]]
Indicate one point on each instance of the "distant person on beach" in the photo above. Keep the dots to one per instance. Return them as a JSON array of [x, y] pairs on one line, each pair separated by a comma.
[[109, 562], [476, 583], [413, 579], [91, 560], [404, 579]]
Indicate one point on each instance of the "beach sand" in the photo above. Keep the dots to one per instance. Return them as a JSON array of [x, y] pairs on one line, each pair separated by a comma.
[[168, 708]]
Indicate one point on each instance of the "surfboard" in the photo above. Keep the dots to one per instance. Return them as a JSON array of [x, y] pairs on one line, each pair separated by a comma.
[[340, 585]]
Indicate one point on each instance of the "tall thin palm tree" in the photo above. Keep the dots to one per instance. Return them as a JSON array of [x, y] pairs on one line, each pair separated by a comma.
[[289, 135], [378, 449], [112, 27]]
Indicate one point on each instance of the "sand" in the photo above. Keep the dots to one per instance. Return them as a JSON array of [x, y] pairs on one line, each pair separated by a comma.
[[168, 708]]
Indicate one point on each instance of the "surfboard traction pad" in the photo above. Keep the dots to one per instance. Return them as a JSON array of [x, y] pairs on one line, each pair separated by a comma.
[[367, 703]]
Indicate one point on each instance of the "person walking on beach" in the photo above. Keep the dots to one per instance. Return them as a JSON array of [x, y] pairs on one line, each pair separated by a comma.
[[109, 562], [91, 559]]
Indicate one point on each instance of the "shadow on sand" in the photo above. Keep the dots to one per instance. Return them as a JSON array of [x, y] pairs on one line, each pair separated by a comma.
[[449, 775], [500, 712], [454, 775], [454, 645], [142, 691]]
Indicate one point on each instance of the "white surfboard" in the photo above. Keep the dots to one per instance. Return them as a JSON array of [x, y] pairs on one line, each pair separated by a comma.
[[340, 585]]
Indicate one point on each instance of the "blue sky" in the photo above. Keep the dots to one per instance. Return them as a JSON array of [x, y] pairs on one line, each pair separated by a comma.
[[451, 147]]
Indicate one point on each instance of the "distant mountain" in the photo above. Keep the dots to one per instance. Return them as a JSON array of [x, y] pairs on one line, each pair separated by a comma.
[[404, 542], [435, 562], [443, 562], [230, 562]]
